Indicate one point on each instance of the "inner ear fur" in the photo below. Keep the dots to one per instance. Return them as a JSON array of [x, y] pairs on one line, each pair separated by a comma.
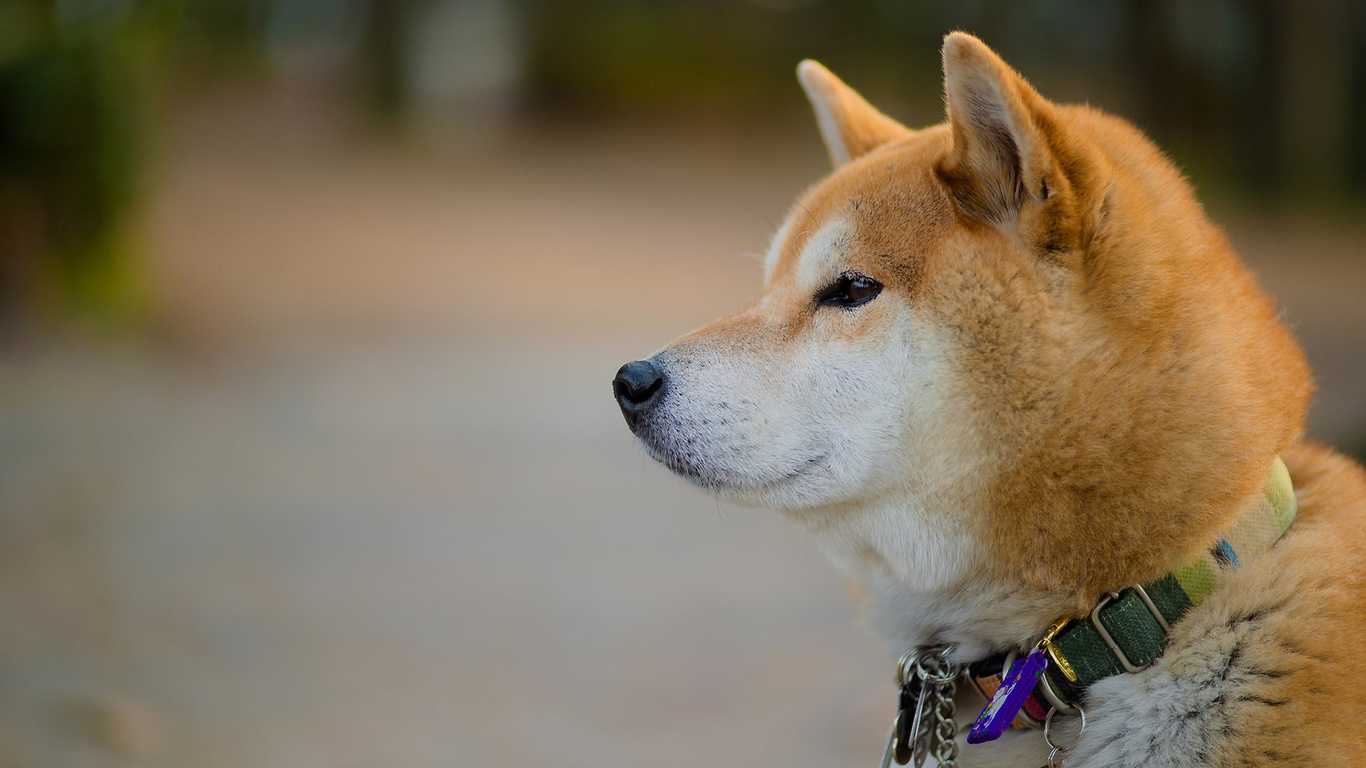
[[1005, 136], [849, 125]]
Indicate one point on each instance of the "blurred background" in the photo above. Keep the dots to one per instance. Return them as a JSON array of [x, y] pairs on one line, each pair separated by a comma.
[[309, 309]]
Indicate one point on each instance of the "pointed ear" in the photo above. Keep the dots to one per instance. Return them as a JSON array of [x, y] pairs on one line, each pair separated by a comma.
[[1000, 159], [850, 126]]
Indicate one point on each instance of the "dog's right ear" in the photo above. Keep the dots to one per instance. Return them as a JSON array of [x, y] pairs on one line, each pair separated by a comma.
[[850, 126], [1001, 156]]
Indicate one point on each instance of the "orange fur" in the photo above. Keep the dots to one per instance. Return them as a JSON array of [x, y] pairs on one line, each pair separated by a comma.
[[1141, 380]]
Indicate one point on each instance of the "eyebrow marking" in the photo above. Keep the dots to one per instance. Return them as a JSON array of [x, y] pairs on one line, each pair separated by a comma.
[[774, 246], [822, 256], [819, 251]]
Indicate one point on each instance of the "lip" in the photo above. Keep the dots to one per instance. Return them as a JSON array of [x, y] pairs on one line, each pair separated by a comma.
[[727, 480], [810, 465]]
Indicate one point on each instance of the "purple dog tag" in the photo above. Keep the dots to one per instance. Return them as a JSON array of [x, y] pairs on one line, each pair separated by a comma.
[[1019, 682]]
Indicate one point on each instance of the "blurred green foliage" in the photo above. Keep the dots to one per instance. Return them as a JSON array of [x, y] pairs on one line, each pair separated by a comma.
[[1268, 96], [674, 57], [74, 112], [1264, 98]]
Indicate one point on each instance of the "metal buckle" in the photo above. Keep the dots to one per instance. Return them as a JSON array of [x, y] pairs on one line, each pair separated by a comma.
[[1152, 608], [1110, 641]]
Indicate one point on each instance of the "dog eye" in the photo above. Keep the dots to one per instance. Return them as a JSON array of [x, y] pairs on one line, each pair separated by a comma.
[[850, 290]]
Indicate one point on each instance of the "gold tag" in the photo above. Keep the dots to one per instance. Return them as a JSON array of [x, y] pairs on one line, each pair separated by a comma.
[[1056, 653]]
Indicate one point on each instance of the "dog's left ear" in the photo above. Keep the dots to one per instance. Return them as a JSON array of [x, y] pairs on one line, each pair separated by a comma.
[[850, 126], [1004, 138]]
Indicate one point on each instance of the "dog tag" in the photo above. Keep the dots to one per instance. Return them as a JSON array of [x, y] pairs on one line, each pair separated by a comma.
[[899, 745], [1005, 704]]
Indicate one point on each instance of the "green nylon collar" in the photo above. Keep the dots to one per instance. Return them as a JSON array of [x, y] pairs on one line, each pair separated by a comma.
[[1127, 631]]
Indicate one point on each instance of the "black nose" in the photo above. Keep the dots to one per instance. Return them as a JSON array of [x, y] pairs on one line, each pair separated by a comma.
[[635, 385]]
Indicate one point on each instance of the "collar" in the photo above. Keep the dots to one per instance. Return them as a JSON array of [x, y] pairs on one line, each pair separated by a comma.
[[1127, 630]]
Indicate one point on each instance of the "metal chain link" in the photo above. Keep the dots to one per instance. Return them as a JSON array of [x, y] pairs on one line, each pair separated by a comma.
[[945, 727], [924, 723]]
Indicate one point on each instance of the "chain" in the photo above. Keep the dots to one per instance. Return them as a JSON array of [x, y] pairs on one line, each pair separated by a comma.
[[946, 730], [924, 722]]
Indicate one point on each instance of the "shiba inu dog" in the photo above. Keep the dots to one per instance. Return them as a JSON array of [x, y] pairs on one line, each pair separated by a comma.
[[1030, 403]]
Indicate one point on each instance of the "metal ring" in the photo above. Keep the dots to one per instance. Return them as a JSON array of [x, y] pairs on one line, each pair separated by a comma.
[[905, 665], [1011, 656], [1048, 721], [942, 675], [1054, 697]]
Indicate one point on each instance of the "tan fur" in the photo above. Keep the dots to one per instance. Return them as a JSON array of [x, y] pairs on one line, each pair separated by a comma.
[[1304, 608], [850, 126], [1128, 382]]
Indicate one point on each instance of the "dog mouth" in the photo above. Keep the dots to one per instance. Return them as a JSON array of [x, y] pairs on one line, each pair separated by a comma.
[[707, 474]]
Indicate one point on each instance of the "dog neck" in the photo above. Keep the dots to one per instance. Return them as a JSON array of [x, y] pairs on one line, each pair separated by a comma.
[[974, 615], [922, 579], [918, 577]]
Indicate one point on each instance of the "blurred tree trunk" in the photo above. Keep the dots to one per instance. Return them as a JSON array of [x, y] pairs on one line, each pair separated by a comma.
[[1317, 96], [1155, 66], [1356, 117], [1260, 120], [385, 56], [22, 249]]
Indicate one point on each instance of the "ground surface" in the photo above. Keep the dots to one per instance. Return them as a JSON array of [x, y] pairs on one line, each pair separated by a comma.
[[361, 496]]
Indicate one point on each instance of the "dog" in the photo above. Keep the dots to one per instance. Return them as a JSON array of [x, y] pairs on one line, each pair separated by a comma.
[[1022, 390]]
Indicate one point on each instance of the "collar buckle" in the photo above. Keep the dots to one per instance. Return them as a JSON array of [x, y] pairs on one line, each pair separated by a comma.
[[1110, 641]]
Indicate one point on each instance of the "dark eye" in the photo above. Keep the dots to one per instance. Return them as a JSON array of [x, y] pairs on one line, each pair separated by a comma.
[[850, 290]]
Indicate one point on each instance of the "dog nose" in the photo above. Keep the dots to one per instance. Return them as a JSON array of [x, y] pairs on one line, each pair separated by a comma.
[[635, 385]]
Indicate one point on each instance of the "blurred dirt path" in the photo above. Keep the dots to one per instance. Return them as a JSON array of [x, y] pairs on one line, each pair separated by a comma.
[[364, 498]]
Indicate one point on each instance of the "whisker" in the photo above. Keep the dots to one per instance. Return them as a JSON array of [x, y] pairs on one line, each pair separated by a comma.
[[772, 226]]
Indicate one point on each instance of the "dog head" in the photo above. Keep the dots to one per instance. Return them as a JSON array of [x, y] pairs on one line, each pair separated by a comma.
[[1011, 334]]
